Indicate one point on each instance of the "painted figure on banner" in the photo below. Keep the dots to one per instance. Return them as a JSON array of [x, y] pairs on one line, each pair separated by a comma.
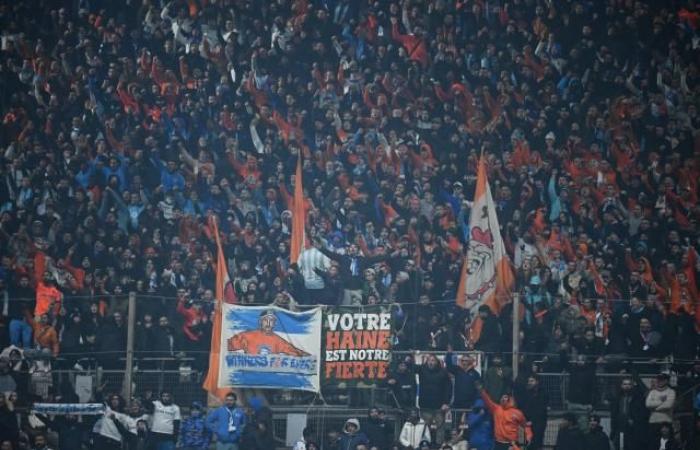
[[263, 341]]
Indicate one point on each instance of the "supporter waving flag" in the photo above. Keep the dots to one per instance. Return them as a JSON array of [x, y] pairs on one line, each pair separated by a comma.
[[224, 293], [298, 215], [486, 277]]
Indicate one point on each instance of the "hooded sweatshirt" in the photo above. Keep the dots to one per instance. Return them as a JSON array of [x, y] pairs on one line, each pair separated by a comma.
[[349, 441], [480, 426], [507, 420], [412, 434]]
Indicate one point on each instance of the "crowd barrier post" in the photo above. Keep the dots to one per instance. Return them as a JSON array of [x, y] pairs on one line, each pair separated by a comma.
[[131, 321]]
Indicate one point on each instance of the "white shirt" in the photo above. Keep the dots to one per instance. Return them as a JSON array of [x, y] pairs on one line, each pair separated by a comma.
[[130, 423], [413, 434], [309, 260], [300, 445], [523, 251], [106, 427], [164, 417]]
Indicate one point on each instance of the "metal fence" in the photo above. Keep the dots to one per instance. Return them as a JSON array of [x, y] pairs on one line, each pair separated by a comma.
[[327, 419], [558, 386], [330, 411], [185, 384]]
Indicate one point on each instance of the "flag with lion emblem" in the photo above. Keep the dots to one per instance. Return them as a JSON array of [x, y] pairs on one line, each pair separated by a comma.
[[487, 276]]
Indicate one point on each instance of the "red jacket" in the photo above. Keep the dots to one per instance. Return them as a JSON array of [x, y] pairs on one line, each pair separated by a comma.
[[414, 45], [193, 317]]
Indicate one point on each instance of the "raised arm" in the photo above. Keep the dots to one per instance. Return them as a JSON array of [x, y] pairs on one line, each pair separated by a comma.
[[490, 405], [257, 142], [332, 255]]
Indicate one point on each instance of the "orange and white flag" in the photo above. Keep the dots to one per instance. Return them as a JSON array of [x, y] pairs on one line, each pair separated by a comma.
[[298, 216], [224, 293], [487, 275]]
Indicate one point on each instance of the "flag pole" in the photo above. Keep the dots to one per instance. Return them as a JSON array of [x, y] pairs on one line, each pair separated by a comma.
[[516, 334]]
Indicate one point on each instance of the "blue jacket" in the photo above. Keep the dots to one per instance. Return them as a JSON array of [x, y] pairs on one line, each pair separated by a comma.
[[194, 433], [218, 421], [465, 392], [350, 441], [480, 426]]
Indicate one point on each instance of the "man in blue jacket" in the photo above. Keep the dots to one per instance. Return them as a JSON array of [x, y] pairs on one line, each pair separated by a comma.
[[480, 425], [352, 436], [194, 434], [465, 378], [227, 422]]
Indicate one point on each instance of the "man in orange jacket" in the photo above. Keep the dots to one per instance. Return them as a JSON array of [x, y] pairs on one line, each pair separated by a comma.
[[48, 297], [507, 421], [45, 335]]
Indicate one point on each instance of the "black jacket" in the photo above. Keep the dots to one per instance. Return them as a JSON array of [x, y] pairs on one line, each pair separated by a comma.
[[378, 432], [490, 338], [584, 376], [131, 441], [597, 440], [163, 341], [254, 438], [352, 267], [70, 432], [435, 387], [71, 339], [533, 403], [9, 430], [637, 415], [404, 389], [332, 288], [111, 338], [569, 439]]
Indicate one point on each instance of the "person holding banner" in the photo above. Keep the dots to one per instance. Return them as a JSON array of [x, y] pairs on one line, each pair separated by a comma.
[[108, 436], [227, 423], [68, 428]]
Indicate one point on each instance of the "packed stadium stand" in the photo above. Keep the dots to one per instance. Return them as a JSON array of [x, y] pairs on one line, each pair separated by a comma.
[[136, 134]]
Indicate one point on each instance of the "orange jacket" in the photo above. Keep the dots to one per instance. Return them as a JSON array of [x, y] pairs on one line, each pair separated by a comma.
[[45, 336], [506, 421], [48, 298]]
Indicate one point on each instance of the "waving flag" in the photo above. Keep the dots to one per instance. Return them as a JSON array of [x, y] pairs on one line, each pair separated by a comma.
[[486, 276], [224, 293], [298, 216]]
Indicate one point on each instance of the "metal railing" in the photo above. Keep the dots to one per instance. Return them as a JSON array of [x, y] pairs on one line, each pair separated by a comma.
[[334, 407]]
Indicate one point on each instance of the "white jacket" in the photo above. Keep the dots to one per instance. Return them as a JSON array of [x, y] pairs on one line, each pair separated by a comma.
[[660, 405], [412, 435]]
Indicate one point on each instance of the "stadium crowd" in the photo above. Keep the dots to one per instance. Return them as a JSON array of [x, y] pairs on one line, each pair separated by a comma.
[[127, 124]]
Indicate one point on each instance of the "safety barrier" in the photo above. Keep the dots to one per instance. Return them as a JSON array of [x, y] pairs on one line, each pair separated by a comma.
[[331, 410]]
